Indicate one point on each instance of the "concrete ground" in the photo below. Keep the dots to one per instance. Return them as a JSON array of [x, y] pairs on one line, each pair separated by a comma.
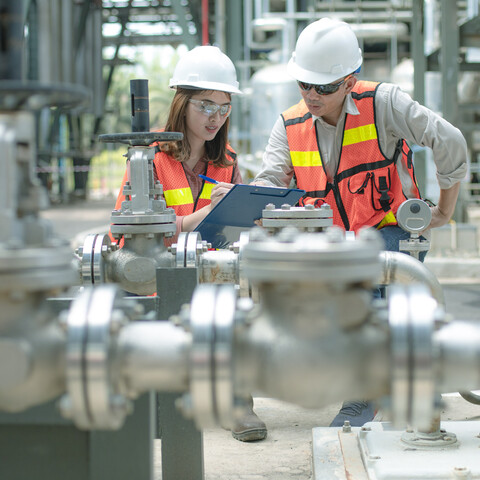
[[286, 453]]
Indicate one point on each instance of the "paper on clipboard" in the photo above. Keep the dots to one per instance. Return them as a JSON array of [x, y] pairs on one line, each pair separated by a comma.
[[238, 210]]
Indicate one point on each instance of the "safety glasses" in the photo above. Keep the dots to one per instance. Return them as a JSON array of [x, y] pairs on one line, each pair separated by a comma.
[[322, 89], [210, 108]]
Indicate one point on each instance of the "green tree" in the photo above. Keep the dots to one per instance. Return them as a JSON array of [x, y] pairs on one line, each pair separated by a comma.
[[145, 66]]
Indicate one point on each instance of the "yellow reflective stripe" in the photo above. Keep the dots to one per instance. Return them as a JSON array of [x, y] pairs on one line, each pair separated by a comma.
[[388, 219], [206, 191], [359, 134], [179, 196], [306, 159]]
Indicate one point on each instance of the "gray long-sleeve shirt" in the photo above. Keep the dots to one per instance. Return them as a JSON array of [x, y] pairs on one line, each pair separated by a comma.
[[397, 116]]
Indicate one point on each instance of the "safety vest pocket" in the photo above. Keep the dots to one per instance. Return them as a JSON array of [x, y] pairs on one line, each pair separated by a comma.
[[382, 197], [358, 184]]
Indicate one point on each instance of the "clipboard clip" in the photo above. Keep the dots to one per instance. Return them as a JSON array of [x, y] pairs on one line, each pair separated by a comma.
[[271, 192]]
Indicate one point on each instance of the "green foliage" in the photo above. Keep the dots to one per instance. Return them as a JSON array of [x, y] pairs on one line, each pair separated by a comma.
[[108, 167], [157, 68], [107, 170]]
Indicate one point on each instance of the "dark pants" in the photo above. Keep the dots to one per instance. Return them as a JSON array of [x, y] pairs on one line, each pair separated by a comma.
[[392, 235]]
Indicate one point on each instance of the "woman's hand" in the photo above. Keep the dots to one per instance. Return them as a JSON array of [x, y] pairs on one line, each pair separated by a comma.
[[219, 191], [190, 222]]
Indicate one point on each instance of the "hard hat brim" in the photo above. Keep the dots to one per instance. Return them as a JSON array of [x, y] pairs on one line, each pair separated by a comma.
[[221, 87], [307, 76]]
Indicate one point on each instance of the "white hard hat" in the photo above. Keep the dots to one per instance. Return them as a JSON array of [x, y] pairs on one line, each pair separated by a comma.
[[326, 50], [205, 68]]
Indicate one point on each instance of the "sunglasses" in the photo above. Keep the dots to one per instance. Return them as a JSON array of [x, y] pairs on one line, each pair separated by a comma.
[[209, 108], [322, 89]]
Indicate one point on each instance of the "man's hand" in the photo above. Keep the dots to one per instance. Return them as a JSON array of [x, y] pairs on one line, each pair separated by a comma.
[[442, 213]]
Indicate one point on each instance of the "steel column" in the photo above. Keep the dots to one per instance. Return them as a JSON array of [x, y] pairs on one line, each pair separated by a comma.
[[182, 442], [419, 71]]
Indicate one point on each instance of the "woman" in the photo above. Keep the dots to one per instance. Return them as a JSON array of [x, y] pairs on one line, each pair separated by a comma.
[[204, 79]]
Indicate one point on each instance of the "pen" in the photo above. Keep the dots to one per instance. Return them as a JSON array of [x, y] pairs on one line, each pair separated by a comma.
[[208, 179]]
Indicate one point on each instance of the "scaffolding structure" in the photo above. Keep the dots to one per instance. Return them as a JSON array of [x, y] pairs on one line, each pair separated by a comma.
[[65, 42]]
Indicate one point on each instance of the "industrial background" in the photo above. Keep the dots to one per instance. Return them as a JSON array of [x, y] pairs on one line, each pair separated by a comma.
[[97, 385], [430, 48]]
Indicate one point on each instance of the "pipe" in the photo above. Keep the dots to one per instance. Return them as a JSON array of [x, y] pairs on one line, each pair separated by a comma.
[[314, 311], [458, 349], [11, 40], [140, 113], [31, 352], [220, 21], [401, 268], [294, 345], [205, 22], [153, 356], [219, 266]]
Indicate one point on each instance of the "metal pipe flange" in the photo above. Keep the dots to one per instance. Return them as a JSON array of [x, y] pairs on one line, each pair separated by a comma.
[[95, 318], [326, 256], [188, 248], [211, 397], [307, 218], [95, 246]]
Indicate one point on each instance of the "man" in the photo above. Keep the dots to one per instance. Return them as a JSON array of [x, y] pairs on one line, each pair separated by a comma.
[[346, 144]]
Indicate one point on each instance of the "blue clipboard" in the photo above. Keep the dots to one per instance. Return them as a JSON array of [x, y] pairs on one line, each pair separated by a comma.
[[238, 210]]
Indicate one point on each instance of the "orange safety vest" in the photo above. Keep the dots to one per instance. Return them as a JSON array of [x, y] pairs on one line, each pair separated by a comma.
[[176, 190], [366, 189]]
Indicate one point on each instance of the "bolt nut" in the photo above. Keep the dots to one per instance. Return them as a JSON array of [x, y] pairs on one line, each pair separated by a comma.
[[65, 406], [347, 428], [183, 317], [185, 406], [117, 321], [121, 404], [257, 234], [235, 247], [245, 304], [176, 320], [335, 234], [63, 320], [461, 472], [369, 235], [288, 235]]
